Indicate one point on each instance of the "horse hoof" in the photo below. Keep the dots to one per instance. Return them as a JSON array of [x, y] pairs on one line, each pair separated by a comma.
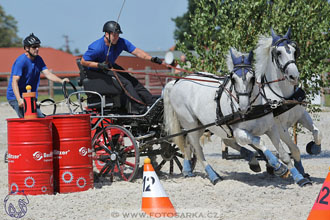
[[254, 165], [313, 149], [255, 168], [282, 171], [286, 175], [270, 169], [216, 180], [304, 182], [307, 176]]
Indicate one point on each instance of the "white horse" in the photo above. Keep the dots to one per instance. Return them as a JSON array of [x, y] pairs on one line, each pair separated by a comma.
[[189, 104], [275, 60]]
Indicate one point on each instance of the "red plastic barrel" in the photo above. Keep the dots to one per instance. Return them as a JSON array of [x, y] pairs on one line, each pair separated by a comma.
[[73, 167], [30, 156]]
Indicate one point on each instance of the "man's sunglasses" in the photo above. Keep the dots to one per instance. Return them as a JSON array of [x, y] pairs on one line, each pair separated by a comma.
[[35, 46]]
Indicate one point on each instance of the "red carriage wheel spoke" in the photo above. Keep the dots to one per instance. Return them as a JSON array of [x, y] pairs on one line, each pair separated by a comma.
[[129, 164], [120, 142], [121, 137], [130, 148]]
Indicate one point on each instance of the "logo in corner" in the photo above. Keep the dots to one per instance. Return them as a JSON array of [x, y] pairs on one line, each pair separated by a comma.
[[16, 206]]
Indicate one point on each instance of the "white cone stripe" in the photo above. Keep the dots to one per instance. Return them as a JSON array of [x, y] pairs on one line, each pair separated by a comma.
[[152, 186]]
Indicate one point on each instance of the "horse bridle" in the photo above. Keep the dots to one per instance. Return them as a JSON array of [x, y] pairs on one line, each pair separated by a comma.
[[244, 67], [282, 68], [275, 55]]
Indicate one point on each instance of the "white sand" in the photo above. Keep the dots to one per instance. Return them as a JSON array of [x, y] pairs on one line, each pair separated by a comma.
[[241, 195]]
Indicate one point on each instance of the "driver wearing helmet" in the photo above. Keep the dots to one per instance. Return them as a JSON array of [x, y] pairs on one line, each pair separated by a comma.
[[100, 58], [26, 71]]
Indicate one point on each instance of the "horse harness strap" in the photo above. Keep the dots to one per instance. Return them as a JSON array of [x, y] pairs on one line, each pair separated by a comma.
[[297, 98], [265, 81], [280, 107], [257, 111], [219, 114]]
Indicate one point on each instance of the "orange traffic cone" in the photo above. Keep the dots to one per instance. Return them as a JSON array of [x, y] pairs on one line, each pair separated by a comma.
[[155, 201], [321, 207]]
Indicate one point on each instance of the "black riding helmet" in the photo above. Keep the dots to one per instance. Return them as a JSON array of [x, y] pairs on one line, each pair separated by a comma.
[[112, 26], [31, 40]]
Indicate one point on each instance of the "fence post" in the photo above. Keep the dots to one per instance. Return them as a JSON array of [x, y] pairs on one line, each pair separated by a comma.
[[51, 89], [147, 77]]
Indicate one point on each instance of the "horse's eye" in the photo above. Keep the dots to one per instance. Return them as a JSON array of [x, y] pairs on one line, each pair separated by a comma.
[[278, 53]]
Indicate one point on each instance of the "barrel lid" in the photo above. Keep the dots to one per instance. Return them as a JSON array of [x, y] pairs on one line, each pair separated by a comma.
[[25, 120], [68, 115]]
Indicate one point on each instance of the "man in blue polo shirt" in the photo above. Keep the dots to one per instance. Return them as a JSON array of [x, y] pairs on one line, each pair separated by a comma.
[[101, 56], [26, 71]]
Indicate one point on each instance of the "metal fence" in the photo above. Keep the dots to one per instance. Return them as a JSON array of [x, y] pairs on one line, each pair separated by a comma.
[[153, 83]]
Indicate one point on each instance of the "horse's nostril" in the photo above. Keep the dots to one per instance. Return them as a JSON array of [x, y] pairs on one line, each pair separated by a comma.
[[292, 78]]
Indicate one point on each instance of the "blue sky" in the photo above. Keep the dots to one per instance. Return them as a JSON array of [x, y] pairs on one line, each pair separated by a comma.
[[146, 23]]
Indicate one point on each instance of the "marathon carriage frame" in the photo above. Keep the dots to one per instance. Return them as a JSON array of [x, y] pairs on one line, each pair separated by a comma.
[[120, 139]]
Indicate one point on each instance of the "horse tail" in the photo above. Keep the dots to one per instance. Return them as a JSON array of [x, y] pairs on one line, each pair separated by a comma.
[[172, 124]]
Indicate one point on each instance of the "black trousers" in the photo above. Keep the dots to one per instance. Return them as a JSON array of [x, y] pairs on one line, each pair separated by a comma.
[[142, 92], [131, 85]]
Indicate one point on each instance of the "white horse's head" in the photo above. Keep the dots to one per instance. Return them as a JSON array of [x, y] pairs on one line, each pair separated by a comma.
[[242, 77], [281, 52]]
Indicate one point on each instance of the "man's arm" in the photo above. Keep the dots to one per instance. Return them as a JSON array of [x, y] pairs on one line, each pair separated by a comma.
[[51, 76], [91, 64], [141, 54], [144, 55], [14, 85]]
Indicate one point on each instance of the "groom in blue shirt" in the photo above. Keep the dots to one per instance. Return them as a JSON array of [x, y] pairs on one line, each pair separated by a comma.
[[26, 71]]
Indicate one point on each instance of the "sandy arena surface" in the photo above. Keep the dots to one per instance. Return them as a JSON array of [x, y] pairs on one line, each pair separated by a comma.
[[241, 195]]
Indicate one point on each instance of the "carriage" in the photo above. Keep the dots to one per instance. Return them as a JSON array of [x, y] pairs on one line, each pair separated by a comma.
[[119, 138]]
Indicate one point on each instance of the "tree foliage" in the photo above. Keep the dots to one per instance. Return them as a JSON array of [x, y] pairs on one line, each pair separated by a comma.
[[8, 31], [211, 27]]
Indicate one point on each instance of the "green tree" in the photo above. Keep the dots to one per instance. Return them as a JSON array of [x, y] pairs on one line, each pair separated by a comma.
[[183, 26], [213, 26], [8, 31]]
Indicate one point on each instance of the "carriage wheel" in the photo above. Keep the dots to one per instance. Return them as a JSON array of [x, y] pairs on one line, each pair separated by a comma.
[[170, 153], [47, 102], [115, 153]]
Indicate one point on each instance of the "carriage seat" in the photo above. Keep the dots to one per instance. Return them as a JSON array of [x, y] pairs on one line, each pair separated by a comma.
[[102, 84]]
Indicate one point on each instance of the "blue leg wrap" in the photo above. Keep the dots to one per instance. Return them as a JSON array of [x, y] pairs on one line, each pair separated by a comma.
[[296, 175], [187, 172], [272, 160], [213, 176]]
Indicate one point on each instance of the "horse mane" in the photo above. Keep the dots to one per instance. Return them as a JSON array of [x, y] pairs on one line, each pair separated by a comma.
[[229, 60], [262, 55]]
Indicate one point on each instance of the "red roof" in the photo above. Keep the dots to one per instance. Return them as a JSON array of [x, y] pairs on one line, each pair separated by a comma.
[[56, 60]]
